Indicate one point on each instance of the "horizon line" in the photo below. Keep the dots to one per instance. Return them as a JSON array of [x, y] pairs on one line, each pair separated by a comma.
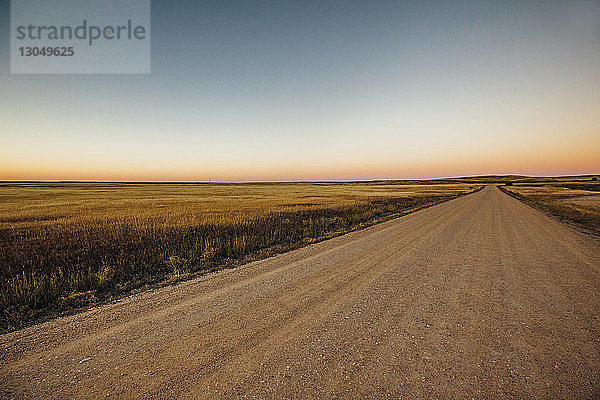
[[293, 181]]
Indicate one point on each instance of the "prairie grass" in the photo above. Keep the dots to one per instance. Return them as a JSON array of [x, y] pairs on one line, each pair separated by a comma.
[[67, 246], [576, 201]]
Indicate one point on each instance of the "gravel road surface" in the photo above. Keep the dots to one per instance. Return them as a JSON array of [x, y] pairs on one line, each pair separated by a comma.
[[478, 297]]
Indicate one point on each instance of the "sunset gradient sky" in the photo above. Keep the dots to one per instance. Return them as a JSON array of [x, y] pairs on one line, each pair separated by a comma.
[[321, 90]]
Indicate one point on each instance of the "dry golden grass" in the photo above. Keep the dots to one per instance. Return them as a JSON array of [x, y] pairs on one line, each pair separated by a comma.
[[28, 205], [572, 200], [65, 246], [589, 203]]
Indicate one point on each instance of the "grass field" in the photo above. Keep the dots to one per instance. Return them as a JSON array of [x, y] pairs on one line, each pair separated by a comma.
[[67, 246], [571, 199]]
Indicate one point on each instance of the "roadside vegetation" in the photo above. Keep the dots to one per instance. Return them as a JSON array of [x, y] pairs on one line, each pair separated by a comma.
[[574, 200], [67, 246]]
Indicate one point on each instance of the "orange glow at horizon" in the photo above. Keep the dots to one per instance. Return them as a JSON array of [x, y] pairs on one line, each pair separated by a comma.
[[537, 154], [533, 162]]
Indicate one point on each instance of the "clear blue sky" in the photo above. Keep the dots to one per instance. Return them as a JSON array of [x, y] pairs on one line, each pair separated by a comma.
[[322, 90]]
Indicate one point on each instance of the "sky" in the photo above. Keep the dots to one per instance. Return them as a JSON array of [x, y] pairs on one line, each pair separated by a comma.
[[320, 90]]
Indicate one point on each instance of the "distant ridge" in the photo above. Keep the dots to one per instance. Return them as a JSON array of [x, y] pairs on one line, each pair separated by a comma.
[[460, 179]]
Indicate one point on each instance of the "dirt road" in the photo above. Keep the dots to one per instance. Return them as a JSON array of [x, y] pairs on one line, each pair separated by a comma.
[[478, 297]]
